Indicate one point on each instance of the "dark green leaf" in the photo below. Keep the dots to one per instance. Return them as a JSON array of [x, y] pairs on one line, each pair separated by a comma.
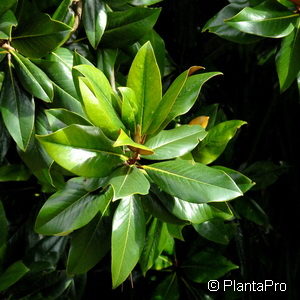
[[90, 243], [64, 13], [175, 230], [12, 274], [14, 173], [195, 183], [94, 20], [216, 230], [168, 289], [60, 118], [156, 239], [34, 80], [127, 181], [145, 80], [38, 38], [128, 26], [217, 25], [71, 208], [83, 150], [17, 109], [6, 4], [216, 141], [175, 142], [269, 19], [288, 58], [194, 212], [242, 181], [3, 230], [7, 21], [128, 235], [207, 265]]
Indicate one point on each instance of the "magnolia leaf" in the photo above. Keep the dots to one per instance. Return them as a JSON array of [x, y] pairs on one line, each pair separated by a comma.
[[194, 183], [128, 235]]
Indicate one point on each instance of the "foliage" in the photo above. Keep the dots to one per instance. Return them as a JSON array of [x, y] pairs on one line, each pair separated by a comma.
[[120, 166], [248, 21]]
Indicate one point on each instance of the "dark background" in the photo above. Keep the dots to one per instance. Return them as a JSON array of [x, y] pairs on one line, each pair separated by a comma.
[[249, 91]]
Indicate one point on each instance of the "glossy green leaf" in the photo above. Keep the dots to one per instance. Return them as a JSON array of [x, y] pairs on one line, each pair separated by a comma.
[[6, 5], [38, 38], [64, 13], [71, 208], [207, 265], [217, 25], [187, 96], [127, 181], [60, 118], [17, 109], [175, 231], [97, 98], [175, 142], [12, 274], [128, 235], [94, 20], [90, 243], [216, 141], [124, 140], [129, 108], [7, 21], [242, 181], [288, 58], [168, 289], [269, 19], [83, 150], [169, 99], [194, 212], [128, 26], [33, 79], [216, 231], [144, 79], [158, 45], [154, 207], [195, 183], [14, 173], [156, 238]]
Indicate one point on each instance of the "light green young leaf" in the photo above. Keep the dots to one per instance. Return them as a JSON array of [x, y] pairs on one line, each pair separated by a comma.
[[169, 98], [94, 20], [128, 236], [145, 80], [127, 181], [175, 142], [90, 243], [125, 140], [194, 183], [71, 208], [17, 109], [12, 274], [216, 141], [288, 58], [34, 80], [129, 108], [83, 150], [187, 96]]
